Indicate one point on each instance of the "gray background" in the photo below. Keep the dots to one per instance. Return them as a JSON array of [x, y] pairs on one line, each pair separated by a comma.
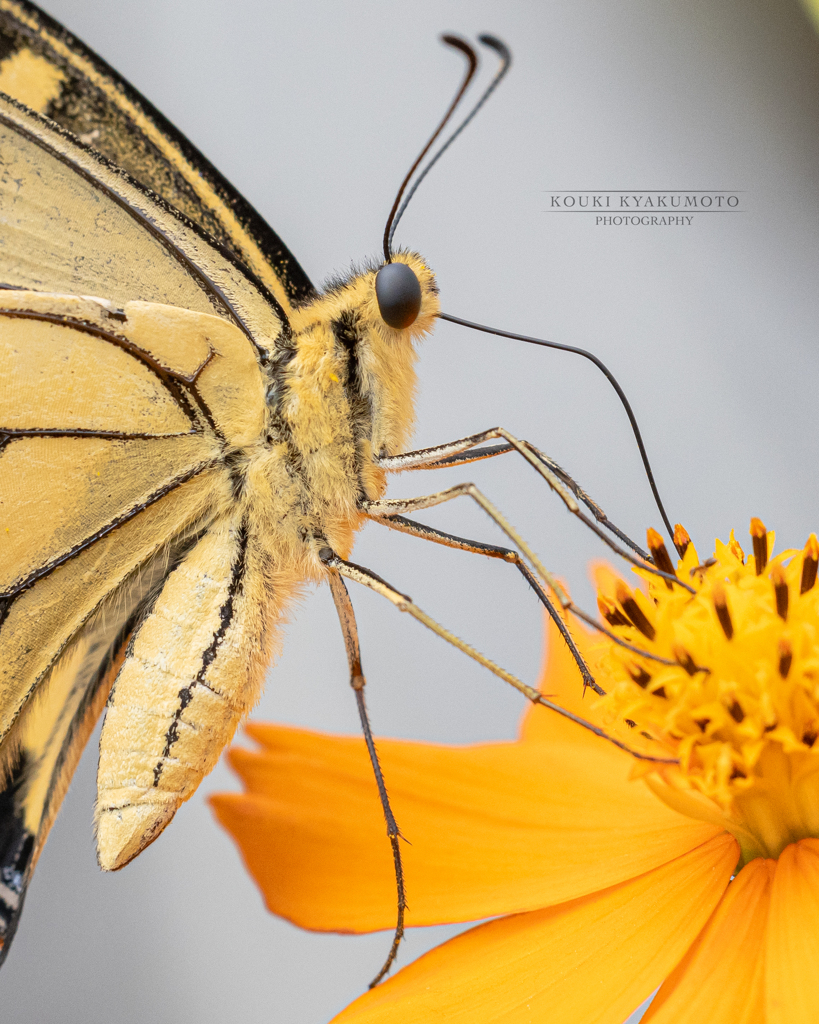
[[315, 111]]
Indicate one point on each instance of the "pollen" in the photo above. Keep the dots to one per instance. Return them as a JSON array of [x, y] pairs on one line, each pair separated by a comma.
[[723, 674]]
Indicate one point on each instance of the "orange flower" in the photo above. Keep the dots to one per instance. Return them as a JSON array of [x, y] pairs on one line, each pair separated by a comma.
[[607, 877]]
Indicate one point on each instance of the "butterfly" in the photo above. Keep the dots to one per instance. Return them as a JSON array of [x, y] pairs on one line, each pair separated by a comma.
[[189, 433]]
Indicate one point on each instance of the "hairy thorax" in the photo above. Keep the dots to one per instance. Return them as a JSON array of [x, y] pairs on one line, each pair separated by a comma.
[[340, 395]]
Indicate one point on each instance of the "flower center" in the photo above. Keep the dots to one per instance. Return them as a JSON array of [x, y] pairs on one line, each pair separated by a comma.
[[728, 681]]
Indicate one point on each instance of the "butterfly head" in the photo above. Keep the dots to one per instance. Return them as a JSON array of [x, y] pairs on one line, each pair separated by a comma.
[[385, 310], [355, 345]]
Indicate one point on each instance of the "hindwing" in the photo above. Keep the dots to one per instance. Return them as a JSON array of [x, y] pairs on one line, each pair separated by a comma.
[[116, 426]]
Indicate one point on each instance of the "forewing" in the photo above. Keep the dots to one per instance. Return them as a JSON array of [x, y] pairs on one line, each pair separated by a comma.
[[72, 223], [106, 455], [49, 70]]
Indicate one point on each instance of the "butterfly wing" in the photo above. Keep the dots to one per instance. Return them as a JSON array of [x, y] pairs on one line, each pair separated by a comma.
[[49, 70], [45, 744], [118, 417]]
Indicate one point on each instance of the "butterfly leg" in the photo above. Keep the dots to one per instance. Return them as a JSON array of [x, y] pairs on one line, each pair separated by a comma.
[[464, 450], [388, 507], [403, 603], [194, 666], [346, 617], [477, 547]]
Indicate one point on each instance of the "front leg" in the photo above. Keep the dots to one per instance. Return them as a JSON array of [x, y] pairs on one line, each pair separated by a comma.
[[464, 450]]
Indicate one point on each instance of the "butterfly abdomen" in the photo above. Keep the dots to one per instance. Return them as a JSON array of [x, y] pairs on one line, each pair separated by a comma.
[[193, 669]]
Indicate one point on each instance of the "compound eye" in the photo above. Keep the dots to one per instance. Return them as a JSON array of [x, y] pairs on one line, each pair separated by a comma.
[[398, 292]]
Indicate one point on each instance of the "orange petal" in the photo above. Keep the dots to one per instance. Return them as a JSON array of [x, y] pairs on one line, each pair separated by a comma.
[[494, 829], [791, 971], [721, 978], [561, 681], [591, 961]]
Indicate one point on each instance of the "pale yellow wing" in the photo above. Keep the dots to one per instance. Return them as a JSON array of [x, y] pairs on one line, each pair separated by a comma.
[[46, 741], [193, 670], [117, 426], [45, 67], [72, 223]]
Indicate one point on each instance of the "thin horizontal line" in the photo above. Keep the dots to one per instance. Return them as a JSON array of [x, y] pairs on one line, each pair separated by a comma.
[[653, 191], [655, 211]]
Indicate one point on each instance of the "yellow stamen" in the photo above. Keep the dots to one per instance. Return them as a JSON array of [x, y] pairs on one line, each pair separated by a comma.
[[635, 613], [781, 590], [759, 535], [810, 561], [659, 552], [681, 540], [741, 717]]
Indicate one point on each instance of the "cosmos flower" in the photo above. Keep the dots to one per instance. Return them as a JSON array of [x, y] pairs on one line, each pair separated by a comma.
[[604, 876]]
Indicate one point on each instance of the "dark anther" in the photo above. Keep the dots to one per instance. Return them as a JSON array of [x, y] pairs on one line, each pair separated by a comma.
[[398, 292], [781, 590], [785, 657], [681, 540], [660, 692], [702, 723], [759, 535], [809, 737], [738, 773], [630, 723], [736, 712], [684, 659], [634, 611], [610, 612], [659, 552], [639, 675], [810, 560], [721, 608]]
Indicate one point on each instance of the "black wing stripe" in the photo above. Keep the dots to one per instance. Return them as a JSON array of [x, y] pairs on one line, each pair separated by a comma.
[[16, 852], [19, 846], [7, 435], [109, 527], [226, 613], [175, 383], [208, 286]]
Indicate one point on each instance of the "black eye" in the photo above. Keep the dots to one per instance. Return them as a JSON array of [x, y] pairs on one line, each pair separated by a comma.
[[399, 295]]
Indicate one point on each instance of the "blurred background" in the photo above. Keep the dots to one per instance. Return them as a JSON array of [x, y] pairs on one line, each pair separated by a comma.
[[315, 111]]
